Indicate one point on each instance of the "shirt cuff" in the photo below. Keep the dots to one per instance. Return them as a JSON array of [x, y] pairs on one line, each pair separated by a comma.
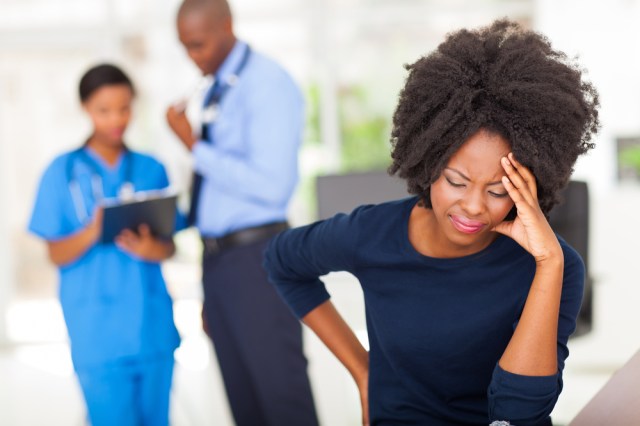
[[535, 384], [523, 400]]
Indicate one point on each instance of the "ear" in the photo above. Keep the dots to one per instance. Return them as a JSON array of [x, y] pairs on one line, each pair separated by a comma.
[[227, 25]]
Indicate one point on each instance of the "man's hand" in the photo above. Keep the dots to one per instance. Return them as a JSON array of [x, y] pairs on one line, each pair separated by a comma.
[[177, 120]]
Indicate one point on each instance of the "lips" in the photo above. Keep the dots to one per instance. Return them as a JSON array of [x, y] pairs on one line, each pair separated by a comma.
[[117, 133], [466, 225]]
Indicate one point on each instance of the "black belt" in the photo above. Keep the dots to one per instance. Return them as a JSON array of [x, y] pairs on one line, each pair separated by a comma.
[[243, 237]]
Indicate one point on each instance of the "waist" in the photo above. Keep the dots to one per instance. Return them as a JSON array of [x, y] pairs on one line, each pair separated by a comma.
[[221, 213], [242, 237]]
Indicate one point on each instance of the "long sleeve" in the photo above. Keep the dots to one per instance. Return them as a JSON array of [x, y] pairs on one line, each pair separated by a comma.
[[525, 400], [295, 260]]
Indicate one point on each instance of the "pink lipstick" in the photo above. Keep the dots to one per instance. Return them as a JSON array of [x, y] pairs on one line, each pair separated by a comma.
[[465, 225]]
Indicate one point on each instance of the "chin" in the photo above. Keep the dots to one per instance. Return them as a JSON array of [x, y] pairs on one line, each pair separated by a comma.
[[116, 143], [469, 241]]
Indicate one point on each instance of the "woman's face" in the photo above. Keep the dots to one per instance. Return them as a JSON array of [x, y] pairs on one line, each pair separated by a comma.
[[468, 199], [109, 108]]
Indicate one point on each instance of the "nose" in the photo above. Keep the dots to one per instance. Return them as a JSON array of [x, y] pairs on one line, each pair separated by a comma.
[[119, 119], [472, 202]]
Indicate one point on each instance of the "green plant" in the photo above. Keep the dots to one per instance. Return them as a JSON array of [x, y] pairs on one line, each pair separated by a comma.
[[364, 132], [630, 157]]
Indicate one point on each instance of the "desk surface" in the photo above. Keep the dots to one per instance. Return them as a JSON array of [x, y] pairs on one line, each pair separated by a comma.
[[618, 402]]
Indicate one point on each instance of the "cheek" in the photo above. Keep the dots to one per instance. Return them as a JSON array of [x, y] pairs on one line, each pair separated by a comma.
[[442, 197], [98, 121], [125, 117]]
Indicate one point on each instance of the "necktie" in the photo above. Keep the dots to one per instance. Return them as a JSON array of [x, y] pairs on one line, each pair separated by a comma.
[[211, 99]]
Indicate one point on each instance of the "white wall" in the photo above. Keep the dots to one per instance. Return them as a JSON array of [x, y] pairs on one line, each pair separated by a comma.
[[606, 38], [6, 264]]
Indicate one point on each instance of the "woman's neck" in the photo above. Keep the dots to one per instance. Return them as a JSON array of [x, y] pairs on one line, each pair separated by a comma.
[[109, 152]]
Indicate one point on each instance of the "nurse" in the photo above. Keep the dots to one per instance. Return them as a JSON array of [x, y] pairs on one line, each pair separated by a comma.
[[116, 307]]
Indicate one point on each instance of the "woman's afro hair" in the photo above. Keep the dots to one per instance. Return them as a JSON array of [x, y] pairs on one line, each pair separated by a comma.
[[503, 79]]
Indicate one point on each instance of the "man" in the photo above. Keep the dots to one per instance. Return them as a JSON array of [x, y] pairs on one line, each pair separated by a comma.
[[245, 162]]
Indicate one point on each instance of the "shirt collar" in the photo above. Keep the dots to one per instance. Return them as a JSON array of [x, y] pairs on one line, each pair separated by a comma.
[[232, 61], [100, 162]]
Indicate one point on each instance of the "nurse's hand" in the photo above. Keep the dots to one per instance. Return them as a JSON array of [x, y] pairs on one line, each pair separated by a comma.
[[143, 245], [177, 119]]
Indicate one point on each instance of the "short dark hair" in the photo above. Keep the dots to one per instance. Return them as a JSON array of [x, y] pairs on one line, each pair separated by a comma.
[[503, 79], [214, 8], [99, 76]]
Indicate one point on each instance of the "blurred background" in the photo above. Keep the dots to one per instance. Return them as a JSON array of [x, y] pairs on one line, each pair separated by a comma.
[[348, 57]]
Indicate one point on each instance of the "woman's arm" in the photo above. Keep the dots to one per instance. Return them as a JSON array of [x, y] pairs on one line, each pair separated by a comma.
[[528, 378], [69, 249], [532, 350], [330, 327], [295, 260]]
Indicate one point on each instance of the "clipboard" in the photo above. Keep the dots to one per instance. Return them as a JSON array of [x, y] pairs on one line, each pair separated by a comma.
[[157, 210]]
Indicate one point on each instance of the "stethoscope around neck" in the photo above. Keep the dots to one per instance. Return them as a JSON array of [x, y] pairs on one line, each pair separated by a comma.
[[214, 96], [125, 191]]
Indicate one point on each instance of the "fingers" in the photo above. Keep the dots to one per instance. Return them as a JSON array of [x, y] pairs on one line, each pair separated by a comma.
[[127, 240], [513, 191], [144, 231], [518, 181], [526, 175]]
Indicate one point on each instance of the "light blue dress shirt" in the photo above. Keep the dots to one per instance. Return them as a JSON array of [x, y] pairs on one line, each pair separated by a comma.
[[115, 306], [249, 166]]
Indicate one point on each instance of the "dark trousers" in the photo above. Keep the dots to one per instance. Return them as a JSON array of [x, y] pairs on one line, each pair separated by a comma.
[[257, 340]]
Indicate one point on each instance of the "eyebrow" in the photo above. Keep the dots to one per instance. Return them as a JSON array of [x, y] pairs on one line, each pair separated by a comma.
[[463, 176]]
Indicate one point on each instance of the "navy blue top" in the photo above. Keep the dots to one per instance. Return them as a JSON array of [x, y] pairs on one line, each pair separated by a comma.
[[437, 327]]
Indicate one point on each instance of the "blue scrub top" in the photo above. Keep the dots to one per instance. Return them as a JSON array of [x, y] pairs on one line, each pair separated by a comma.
[[115, 306]]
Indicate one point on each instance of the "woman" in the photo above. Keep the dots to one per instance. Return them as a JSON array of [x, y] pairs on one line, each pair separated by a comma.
[[116, 307], [470, 296]]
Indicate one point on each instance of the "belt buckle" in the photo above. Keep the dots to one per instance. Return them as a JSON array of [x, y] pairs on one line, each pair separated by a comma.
[[212, 246]]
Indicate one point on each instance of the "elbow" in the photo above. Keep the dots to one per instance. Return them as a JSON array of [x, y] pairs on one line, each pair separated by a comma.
[[60, 254], [269, 260], [58, 259], [55, 260]]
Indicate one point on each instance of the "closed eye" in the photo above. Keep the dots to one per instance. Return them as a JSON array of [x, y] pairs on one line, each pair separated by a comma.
[[498, 194], [454, 184]]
